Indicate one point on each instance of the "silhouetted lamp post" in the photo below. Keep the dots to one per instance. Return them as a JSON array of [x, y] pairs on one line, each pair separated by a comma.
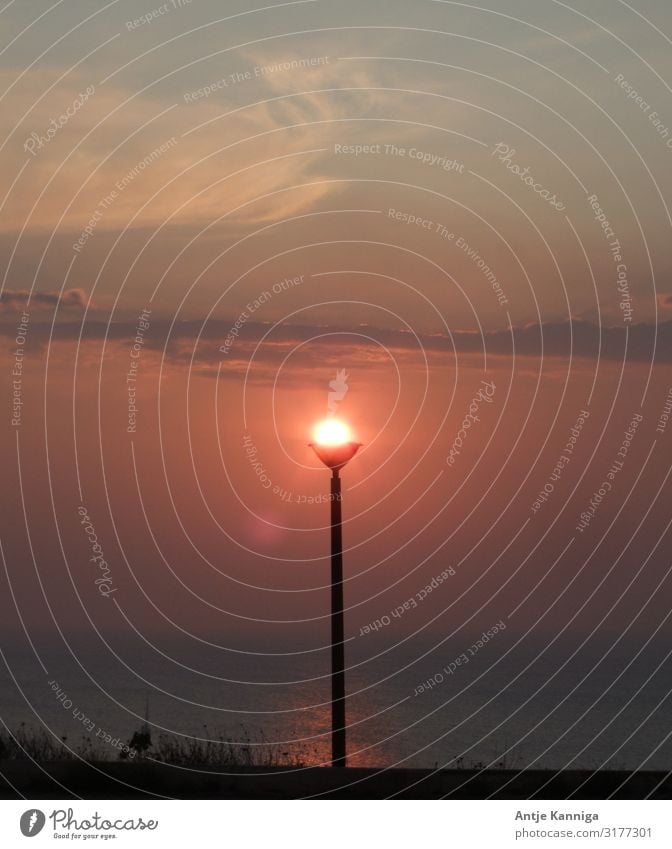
[[334, 448]]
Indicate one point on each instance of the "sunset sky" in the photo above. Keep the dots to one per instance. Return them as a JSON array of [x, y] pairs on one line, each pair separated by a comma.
[[209, 211]]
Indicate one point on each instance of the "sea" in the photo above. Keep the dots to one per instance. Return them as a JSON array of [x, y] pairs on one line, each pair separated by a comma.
[[410, 706]]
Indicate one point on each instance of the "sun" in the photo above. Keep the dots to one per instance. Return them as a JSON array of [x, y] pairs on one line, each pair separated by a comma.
[[332, 432]]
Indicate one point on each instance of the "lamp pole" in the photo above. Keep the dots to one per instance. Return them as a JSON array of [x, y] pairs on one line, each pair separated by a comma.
[[337, 627], [335, 456]]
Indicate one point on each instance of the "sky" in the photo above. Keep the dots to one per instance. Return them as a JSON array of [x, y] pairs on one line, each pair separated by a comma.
[[209, 210]]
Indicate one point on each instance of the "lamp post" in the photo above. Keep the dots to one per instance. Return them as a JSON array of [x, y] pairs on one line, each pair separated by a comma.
[[334, 448]]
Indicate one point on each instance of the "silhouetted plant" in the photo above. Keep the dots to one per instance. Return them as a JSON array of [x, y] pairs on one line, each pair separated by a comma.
[[246, 750]]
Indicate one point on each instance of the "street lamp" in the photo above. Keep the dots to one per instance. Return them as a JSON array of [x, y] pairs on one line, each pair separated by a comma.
[[334, 448]]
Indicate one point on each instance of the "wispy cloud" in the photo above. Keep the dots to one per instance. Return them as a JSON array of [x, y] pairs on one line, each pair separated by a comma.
[[12, 300], [198, 344]]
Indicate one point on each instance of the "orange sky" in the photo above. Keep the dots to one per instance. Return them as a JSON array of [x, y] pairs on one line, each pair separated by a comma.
[[382, 207]]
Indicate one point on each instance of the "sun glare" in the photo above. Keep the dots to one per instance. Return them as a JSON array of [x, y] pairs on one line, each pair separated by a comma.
[[332, 432]]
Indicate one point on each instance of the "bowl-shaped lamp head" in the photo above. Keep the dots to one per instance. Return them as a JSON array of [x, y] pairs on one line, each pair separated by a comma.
[[333, 444]]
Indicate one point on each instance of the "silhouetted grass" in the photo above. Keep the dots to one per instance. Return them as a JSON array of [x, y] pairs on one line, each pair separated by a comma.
[[33, 743], [244, 750]]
